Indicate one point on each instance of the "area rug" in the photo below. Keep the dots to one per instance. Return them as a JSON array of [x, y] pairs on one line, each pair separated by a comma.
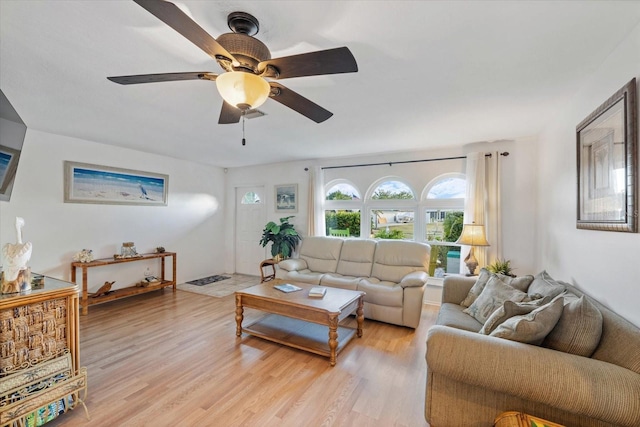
[[207, 280], [222, 288]]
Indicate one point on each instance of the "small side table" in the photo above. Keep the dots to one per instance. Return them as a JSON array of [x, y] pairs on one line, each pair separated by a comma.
[[270, 266]]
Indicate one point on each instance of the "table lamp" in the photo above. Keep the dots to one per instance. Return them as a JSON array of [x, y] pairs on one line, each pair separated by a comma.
[[472, 235]]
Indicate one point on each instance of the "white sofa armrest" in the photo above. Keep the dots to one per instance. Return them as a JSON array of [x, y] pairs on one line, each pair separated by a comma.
[[571, 383], [293, 264], [414, 279]]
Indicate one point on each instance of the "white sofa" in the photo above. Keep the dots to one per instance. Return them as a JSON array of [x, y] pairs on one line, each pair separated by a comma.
[[392, 273]]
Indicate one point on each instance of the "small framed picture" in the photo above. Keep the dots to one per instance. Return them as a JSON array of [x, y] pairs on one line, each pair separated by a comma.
[[286, 198]]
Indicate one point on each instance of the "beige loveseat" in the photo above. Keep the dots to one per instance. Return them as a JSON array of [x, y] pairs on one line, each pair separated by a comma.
[[472, 377], [392, 273]]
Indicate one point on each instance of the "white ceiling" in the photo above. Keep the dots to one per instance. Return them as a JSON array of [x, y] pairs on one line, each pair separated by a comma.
[[431, 73]]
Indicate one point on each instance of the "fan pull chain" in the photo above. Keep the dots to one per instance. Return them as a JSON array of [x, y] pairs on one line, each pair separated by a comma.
[[244, 142]]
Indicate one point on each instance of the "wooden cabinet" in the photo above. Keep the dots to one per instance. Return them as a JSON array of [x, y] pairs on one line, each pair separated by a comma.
[[86, 300], [40, 373]]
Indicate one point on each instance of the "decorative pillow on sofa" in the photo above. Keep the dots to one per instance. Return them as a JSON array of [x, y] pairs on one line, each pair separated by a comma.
[[545, 285], [520, 283], [579, 329], [494, 294], [510, 309], [531, 328]]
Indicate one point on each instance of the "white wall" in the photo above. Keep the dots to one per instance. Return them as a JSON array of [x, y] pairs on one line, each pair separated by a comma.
[[518, 188], [191, 225], [604, 264]]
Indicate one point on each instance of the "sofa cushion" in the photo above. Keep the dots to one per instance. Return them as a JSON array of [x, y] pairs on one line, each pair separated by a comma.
[[520, 283], [579, 328], [321, 253], [531, 328], [356, 257], [394, 259], [336, 280], [510, 309], [494, 294], [452, 315], [382, 292], [306, 276], [545, 285]]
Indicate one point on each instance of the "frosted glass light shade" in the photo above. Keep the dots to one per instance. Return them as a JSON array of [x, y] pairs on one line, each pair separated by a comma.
[[243, 90], [473, 235]]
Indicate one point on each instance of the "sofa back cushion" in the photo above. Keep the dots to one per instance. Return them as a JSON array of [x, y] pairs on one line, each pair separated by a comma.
[[321, 253], [356, 257], [394, 259]]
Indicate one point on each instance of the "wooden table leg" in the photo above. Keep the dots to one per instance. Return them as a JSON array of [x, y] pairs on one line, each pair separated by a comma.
[[333, 339], [85, 292], [239, 315], [360, 316]]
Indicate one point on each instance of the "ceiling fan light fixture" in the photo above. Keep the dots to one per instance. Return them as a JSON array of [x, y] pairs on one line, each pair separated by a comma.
[[243, 90]]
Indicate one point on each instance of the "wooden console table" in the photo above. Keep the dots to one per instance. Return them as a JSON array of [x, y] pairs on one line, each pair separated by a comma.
[[86, 301]]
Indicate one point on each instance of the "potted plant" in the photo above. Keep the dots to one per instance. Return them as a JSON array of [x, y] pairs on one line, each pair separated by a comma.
[[283, 237], [501, 266]]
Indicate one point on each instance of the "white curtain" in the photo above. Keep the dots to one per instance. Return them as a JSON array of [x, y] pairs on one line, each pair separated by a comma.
[[482, 205], [315, 210]]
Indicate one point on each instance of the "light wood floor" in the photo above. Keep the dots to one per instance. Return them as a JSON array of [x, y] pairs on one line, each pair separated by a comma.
[[172, 359]]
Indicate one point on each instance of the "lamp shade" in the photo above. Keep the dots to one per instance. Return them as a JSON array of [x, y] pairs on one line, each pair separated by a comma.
[[243, 90], [473, 235]]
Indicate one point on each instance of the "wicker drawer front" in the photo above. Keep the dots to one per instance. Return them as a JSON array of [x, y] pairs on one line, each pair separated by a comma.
[[31, 333]]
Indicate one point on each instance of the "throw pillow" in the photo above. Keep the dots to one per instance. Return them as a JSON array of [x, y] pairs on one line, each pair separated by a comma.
[[521, 283], [579, 329], [545, 285], [494, 294], [510, 309], [531, 328]]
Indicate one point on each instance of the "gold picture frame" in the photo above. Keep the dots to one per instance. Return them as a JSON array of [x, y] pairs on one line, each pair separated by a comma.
[[607, 165]]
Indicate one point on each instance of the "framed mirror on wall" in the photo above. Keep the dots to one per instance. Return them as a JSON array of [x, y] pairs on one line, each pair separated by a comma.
[[607, 151], [12, 132]]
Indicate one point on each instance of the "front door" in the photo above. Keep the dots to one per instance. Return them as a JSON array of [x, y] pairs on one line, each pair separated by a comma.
[[251, 217]]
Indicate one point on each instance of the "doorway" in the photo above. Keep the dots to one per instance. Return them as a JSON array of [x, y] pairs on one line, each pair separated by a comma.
[[251, 215]]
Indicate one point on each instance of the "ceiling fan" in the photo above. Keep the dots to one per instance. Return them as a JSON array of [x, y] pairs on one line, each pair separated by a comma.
[[247, 65]]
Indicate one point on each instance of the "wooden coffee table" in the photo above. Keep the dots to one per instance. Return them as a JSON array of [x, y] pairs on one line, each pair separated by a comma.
[[300, 321]]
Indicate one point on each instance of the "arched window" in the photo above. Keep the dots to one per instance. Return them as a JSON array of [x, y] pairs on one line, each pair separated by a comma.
[[392, 208], [250, 198], [342, 209], [443, 207]]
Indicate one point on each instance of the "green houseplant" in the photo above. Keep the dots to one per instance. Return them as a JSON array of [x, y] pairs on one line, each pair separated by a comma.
[[501, 266], [283, 237]]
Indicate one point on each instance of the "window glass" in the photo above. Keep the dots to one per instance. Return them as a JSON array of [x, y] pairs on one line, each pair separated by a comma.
[[448, 188], [342, 191], [393, 190], [250, 198], [342, 222], [392, 224], [442, 229]]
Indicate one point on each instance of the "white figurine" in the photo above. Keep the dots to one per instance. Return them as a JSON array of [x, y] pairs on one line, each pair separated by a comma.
[[16, 256]]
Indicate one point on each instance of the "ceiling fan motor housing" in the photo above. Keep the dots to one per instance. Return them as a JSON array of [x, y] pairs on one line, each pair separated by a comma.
[[248, 51]]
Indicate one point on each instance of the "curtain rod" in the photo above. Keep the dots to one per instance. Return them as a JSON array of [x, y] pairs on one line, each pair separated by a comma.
[[504, 153]]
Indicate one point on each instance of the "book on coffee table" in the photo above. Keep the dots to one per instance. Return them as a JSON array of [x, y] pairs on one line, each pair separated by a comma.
[[287, 287], [317, 292]]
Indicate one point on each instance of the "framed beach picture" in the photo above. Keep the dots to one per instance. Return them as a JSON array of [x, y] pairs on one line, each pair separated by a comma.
[[8, 165], [86, 183], [286, 197], [608, 165]]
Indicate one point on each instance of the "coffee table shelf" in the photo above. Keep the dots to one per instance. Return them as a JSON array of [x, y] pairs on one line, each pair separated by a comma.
[[299, 334]]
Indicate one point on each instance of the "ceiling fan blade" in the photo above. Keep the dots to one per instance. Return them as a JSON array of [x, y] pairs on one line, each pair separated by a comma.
[[298, 103], [330, 61], [229, 114], [164, 77], [171, 15]]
